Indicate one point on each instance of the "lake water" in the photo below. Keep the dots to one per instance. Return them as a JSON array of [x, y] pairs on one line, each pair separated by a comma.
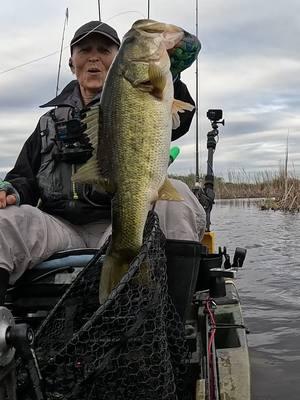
[[269, 287]]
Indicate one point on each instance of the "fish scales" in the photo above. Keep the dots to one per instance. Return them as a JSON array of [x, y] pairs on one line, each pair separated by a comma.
[[138, 129]]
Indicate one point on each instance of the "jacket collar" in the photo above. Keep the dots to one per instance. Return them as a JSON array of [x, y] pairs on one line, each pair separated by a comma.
[[70, 97]]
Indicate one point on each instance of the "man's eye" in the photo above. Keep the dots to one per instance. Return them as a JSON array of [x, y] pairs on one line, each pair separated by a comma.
[[104, 50]]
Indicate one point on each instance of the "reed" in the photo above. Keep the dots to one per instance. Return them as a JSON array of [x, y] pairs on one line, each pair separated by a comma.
[[287, 197], [279, 189]]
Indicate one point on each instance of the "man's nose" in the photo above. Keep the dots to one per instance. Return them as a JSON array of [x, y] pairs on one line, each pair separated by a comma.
[[95, 55], [94, 58]]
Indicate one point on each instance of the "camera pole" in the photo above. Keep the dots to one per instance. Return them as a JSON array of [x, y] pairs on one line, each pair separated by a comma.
[[206, 195], [209, 178]]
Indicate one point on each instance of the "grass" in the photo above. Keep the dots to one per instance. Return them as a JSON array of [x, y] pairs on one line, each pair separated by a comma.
[[280, 190]]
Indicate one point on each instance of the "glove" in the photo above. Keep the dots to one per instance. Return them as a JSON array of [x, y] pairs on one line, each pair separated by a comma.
[[184, 53], [9, 189]]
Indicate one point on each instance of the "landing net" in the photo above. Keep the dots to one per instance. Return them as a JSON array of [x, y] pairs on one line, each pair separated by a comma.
[[130, 348]]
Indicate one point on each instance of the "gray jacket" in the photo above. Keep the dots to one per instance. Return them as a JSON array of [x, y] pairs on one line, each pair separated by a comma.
[[40, 177]]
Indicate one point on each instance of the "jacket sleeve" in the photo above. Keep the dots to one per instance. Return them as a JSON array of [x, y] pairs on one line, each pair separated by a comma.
[[181, 93], [182, 56], [23, 175]]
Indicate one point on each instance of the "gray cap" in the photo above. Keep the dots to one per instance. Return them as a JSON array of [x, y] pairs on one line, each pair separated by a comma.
[[96, 27]]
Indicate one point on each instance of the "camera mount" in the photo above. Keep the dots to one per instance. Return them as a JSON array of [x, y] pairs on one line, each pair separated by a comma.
[[206, 195]]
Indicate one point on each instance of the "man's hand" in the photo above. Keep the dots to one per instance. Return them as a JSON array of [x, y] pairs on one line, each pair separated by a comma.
[[7, 199]]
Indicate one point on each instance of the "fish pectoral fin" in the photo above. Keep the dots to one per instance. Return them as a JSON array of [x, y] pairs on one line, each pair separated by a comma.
[[158, 79], [168, 192], [179, 106]]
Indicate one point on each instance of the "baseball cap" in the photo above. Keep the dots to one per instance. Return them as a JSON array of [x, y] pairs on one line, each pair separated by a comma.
[[96, 27]]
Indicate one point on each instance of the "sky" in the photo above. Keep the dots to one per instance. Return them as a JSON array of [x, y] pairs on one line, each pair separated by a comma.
[[249, 66]]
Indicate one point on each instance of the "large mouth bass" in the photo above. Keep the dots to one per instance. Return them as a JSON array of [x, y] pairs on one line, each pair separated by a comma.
[[131, 133]]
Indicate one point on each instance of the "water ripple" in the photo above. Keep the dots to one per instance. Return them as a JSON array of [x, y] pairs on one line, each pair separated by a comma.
[[269, 285]]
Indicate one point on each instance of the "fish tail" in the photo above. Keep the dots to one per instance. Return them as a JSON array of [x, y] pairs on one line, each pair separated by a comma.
[[113, 270], [143, 277]]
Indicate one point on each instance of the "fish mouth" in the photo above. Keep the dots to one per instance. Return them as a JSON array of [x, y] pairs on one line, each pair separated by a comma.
[[154, 57], [151, 26], [170, 34]]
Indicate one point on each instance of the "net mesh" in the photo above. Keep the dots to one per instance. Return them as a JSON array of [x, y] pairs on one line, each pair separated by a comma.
[[131, 347]]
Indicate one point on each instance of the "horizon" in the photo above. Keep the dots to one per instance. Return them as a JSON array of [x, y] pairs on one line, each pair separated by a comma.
[[248, 66]]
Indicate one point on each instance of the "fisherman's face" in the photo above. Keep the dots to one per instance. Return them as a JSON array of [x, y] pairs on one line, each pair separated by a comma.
[[91, 59]]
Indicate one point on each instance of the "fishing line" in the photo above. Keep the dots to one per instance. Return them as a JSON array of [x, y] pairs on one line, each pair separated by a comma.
[[27, 63], [210, 347], [128, 12], [67, 47]]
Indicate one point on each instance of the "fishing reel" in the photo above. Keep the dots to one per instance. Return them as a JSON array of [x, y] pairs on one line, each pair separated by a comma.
[[73, 145], [13, 337]]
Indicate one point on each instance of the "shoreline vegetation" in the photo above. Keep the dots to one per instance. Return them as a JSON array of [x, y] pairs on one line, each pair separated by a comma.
[[278, 190]]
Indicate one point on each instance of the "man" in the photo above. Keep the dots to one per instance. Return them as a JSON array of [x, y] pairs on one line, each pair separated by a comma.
[[70, 216]]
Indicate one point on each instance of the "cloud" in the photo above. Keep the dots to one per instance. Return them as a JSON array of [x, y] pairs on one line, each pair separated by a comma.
[[248, 66]]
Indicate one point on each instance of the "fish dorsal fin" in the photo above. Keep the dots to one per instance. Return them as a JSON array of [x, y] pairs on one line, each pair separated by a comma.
[[179, 106], [90, 171], [92, 120], [158, 79], [168, 192]]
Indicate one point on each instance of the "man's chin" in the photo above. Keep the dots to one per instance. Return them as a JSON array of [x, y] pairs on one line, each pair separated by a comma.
[[94, 85]]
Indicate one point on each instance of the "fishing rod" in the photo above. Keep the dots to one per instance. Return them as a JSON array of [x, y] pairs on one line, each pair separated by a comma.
[[99, 10], [197, 178], [61, 50]]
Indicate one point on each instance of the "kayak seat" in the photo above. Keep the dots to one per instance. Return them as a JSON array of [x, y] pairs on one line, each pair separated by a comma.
[[42, 286]]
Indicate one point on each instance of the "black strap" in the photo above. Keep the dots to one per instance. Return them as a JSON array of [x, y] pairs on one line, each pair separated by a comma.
[[4, 278]]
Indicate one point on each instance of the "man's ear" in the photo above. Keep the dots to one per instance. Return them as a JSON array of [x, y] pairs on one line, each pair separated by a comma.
[[71, 65]]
